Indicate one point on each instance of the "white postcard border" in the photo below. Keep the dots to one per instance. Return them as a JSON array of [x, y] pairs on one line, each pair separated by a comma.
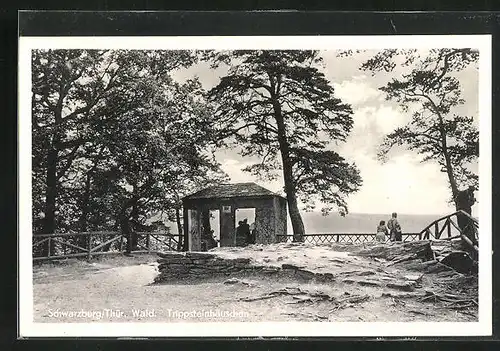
[[27, 328]]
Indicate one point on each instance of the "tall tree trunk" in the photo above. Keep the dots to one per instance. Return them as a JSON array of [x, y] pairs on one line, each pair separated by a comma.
[[134, 214], [83, 242], [123, 219], [464, 202], [293, 209], [449, 171], [461, 198], [49, 222], [179, 228], [290, 190], [446, 154]]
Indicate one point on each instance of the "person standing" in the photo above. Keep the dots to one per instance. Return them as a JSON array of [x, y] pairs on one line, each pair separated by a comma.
[[211, 242], [245, 231], [381, 232], [465, 200], [242, 233], [394, 228], [240, 238], [251, 238]]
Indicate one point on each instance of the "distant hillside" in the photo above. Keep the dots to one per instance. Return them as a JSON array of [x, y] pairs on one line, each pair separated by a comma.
[[316, 223], [361, 222]]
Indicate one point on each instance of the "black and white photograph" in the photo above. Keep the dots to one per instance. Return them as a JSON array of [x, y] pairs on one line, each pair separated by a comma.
[[205, 186]]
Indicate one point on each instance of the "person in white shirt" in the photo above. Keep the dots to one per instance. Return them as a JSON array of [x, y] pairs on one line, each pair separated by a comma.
[[381, 232]]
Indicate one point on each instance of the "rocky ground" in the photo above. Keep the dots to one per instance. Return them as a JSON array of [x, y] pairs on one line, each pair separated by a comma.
[[281, 282]]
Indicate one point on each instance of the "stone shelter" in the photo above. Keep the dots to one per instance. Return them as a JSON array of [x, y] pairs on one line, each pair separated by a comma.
[[270, 213]]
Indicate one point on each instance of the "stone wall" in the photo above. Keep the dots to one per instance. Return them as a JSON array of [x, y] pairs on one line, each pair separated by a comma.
[[200, 265], [270, 218], [197, 266]]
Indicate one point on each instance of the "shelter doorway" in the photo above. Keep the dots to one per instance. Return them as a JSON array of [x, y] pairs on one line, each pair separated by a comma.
[[243, 234], [257, 204], [215, 224]]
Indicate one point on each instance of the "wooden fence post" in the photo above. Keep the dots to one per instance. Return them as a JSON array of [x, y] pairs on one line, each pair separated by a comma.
[[121, 242], [436, 230], [48, 243], [89, 244], [148, 243]]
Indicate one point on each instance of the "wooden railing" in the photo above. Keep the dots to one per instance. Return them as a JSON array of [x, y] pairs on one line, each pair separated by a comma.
[[344, 238], [442, 228], [451, 230], [89, 244]]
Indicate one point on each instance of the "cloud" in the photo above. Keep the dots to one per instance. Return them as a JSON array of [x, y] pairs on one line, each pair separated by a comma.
[[403, 185], [233, 165], [469, 79], [233, 168], [357, 91], [371, 124], [382, 119], [338, 69], [208, 77], [373, 116]]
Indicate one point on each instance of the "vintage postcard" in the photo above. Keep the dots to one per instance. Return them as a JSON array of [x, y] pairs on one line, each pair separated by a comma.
[[255, 186]]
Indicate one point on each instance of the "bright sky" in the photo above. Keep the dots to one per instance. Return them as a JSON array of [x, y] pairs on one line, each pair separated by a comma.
[[402, 184]]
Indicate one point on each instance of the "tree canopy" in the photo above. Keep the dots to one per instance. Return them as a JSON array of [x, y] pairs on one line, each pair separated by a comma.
[[431, 92], [279, 106], [114, 136]]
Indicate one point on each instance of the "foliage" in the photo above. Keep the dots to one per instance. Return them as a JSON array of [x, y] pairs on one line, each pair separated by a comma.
[[279, 106], [114, 136], [431, 91]]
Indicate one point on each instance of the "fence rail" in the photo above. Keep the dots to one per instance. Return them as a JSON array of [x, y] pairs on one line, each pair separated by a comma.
[[453, 230], [89, 244], [448, 224], [354, 238]]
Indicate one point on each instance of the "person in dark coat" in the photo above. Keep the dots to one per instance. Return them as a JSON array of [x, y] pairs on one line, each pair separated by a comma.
[[246, 231], [211, 242], [465, 200], [240, 237], [394, 228], [242, 233], [251, 238]]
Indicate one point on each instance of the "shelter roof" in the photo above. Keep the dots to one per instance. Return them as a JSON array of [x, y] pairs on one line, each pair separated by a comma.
[[231, 191]]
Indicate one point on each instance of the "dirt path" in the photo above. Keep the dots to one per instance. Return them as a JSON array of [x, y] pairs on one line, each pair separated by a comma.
[[120, 290]]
